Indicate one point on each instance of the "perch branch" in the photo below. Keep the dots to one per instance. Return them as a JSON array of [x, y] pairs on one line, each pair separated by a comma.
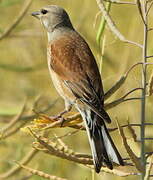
[[44, 122]]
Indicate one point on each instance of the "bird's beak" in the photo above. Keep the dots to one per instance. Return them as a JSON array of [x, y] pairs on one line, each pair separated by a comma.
[[36, 14]]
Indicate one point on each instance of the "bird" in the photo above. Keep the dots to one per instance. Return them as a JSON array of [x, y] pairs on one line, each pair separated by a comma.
[[76, 77]]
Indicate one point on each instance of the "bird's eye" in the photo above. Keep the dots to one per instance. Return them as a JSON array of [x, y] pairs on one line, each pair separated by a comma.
[[44, 11]]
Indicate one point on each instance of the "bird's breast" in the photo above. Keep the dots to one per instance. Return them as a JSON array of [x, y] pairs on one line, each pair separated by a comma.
[[59, 83]]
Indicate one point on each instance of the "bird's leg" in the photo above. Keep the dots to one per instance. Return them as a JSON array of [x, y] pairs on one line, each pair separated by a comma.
[[68, 107], [66, 110]]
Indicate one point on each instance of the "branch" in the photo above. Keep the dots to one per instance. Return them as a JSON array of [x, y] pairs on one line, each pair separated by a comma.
[[21, 69], [112, 25], [148, 170], [13, 121], [132, 125], [150, 29], [140, 10], [23, 120], [24, 161], [120, 82], [149, 8], [22, 13], [52, 148], [150, 85], [122, 99], [149, 57], [144, 86], [40, 173], [44, 122], [121, 2], [131, 154]]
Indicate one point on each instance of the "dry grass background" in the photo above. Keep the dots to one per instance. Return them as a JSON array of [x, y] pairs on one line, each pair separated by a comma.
[[26, 47]]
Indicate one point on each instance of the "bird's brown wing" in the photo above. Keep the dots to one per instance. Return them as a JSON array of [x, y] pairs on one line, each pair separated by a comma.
[[73, 61]]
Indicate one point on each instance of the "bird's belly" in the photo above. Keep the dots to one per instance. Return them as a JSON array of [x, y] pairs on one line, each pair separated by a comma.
[[61, 88]]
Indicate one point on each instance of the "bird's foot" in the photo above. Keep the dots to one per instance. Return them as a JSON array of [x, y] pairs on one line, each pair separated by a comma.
[[59, 117]]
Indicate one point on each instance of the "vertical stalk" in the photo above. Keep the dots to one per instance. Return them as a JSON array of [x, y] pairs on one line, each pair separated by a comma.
[[144, 80], [102, 54], [102, 25]]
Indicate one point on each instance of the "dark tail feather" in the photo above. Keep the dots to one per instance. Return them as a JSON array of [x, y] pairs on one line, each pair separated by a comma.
[[103, 149]]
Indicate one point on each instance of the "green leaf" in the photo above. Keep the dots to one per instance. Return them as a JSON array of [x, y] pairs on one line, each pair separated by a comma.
[[102, 25]]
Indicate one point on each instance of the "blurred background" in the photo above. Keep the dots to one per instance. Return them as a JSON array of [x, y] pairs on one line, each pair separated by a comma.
[[24, 74]]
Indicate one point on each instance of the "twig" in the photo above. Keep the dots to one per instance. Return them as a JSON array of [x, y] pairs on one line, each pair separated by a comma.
[[68, 134], [150, 85], [14, 120], [140, 10], [149, 57], [59, 151], [23, 120], [53, 149], [12, 131], [122, 99], [22, 13], [132, 131], [40, 173], [119, 172], [112, 25], [149, 8], [20, 69], [132, 125], [150, 29], [24, 161], [59, 140], [121, 2], [132, 67], [148, 170], [26, 177], [120, 82], [119, 101], [131, 154]]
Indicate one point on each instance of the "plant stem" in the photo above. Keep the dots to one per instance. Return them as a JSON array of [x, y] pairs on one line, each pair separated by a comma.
[[102, 25], [143, 101]]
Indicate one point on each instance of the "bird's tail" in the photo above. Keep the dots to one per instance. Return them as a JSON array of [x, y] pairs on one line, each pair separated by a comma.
[[103, 149]]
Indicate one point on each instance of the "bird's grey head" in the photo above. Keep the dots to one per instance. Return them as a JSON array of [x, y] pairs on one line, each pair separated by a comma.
[[53, 17]]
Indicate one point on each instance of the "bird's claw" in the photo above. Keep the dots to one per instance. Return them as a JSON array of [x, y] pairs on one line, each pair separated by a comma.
[[62, 120], [59, 118]]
